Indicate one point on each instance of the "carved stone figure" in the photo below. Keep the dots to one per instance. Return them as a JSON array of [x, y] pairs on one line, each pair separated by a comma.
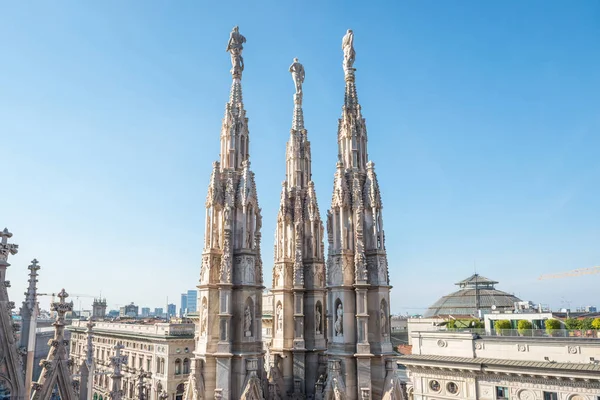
[[317, 320], [337, 393], [247, 321], [204, 318], [235, 47], [339, 328], [297, 71], [279, 315], [383, 319], [348, 47]]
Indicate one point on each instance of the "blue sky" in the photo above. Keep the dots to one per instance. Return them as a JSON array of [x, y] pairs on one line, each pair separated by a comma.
[[483, 124]]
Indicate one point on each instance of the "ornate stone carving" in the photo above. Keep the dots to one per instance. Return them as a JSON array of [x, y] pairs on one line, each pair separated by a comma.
[[573, 349], [279, 316], [247, 321], [349, 53], [522, 347], [526, 395], [235, 47], [339, 320], [478, 346], [297, 71], [442, 343]]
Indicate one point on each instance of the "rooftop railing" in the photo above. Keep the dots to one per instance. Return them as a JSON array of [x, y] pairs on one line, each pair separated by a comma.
[[556, 333]]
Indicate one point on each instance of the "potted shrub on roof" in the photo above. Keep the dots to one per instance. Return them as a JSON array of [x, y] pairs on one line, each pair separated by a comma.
[[502, 325], [524, 327], [553, 326]]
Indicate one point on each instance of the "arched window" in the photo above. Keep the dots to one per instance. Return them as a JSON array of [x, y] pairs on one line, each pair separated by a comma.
[[162, 365], [178, 367], [186, 366], [95, 396], [180, 389]]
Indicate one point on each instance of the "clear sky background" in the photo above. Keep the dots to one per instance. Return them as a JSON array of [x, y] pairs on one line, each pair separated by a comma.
[[483, 122]]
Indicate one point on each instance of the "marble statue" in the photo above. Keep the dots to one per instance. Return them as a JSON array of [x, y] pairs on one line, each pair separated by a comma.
[[318, 320], [348, 47], [204, 318], [383, 319], [247, 321], [235, 47], [297, 71], [279, 317], [339, 320], [337, 393]]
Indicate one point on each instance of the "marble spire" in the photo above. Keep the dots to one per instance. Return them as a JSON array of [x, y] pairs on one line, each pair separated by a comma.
[[56, 368], [10, 354], [357, 274], [29, 314], [229, 325], [299, 270]]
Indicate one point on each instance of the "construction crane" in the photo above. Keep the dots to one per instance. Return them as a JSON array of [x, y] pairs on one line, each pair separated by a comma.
[[575, 272]]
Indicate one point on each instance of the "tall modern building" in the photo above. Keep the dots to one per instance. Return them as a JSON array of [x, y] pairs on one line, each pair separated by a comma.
[[192, 301], [145, 312], [298, 335], [357, 274], [171, 310], [228, 360], [158, 312], [183, 308]]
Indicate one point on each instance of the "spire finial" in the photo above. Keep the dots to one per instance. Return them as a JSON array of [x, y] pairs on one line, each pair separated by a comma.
[[349, 53], [7, 248], [297, 71], [235, 46]]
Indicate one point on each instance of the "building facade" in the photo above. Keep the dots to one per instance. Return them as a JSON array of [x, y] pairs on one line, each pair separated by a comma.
[[129, 310], [464, 365], [165, 350], [298, 336], [229, 352], [358, 304]]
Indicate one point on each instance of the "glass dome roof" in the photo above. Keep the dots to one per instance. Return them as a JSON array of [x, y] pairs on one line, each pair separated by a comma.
[[476, 292]]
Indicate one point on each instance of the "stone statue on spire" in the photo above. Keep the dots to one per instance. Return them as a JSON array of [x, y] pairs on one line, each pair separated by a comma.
[[297, 71], [349, 53], [234, 48]]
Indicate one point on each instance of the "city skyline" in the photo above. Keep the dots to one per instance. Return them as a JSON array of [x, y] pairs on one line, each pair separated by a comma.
[[486, 163]]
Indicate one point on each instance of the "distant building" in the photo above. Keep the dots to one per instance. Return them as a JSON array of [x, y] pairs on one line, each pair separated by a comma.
[[158, 312], [165, 350], [476, 297], [99, 308], [113, 314], [471, 366], [171, 310], [192, 301], [130, 310], [183, 308], [145, 312]]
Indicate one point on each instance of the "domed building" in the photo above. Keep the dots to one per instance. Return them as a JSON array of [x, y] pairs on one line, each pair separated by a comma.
[[476, 293]]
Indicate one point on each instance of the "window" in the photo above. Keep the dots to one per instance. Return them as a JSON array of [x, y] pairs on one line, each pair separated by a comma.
[[178, 367], [550, 396], [452, 388], [434, 385], [186, 366], [501, 392]]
